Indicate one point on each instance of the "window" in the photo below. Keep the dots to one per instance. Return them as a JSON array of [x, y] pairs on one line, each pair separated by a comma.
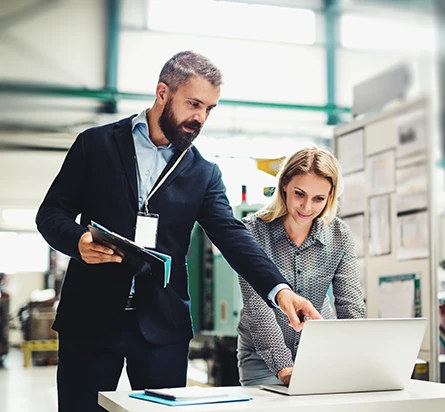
[[386, 34], [23, 252], [234, 20]]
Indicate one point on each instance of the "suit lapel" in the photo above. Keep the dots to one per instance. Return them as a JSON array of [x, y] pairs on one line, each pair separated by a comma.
[[186, 160], [125, 144]]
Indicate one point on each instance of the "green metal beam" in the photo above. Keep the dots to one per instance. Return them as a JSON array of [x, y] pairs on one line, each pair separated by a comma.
[[62, 91], [114, 95], [331, 34], [113, 11], [327, 108]]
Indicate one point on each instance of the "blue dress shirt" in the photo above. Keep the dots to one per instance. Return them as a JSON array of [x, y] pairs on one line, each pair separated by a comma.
[[150, 159], [150, 162]]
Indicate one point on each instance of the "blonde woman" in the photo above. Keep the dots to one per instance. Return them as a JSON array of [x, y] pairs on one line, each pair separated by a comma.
[[313, 249]]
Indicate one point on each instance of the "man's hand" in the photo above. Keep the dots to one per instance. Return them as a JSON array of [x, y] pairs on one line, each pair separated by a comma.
[[94, 253], [293, 306], [284, 375]]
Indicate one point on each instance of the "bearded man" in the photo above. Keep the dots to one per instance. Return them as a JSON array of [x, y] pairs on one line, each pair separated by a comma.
[[142, 178]]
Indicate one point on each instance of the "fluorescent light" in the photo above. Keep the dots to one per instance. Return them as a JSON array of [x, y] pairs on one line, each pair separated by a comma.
[[13, 244], [233, 20], [19, 216], [372, 33]]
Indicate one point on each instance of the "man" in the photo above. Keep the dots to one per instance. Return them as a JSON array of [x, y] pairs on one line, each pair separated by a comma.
[[145, 164]]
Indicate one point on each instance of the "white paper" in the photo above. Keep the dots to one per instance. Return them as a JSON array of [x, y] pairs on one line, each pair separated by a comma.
[[381, 173], [379, 226], [357, 226], [350, 151], [189, 392], [413, 236], [396, 296], [411, 184], [353, 199]]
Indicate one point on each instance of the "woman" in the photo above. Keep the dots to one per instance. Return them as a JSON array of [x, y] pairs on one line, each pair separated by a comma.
[[313, 249]]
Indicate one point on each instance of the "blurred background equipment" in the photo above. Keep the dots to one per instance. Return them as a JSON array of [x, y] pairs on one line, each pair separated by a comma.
[[271, 166], [4, 320], [216, 303], [40, 343]]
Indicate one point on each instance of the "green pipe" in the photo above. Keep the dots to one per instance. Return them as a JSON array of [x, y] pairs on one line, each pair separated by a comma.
[[331, 41], [113, 11], [328, 108], [110, 95]]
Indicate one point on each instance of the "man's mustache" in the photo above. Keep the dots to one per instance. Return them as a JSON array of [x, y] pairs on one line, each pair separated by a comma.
[[193, 125]]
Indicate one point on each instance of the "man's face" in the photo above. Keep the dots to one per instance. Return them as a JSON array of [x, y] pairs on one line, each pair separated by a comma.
[[180, 134], [186, 111]]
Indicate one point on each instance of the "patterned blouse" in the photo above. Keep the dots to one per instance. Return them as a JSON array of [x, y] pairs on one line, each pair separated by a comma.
[[326, 256]]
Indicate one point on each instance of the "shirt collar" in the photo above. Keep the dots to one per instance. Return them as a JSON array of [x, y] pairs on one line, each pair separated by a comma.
[[318, 231], [141, 119]]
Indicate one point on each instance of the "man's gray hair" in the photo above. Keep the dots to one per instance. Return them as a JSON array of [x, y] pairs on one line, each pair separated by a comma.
[[186, 64]]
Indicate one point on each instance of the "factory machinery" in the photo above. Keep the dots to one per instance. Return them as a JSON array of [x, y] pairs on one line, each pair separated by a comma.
[[215, 304]]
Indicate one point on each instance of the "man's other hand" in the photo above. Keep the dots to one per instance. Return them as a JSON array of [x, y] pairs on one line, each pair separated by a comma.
[[94, 253], [296, 307]]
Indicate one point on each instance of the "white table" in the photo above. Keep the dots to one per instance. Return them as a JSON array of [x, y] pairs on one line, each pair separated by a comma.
[[419, 396]]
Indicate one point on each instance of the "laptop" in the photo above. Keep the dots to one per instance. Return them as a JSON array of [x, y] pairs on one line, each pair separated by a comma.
[[354, 355]]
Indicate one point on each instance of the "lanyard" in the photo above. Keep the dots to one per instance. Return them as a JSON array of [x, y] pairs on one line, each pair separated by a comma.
[[163, 180]]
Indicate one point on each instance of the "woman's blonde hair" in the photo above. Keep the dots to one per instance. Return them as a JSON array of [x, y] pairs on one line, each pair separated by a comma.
[[314, 160]]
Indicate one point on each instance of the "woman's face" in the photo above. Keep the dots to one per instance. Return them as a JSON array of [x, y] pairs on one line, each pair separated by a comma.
[[306, 197]]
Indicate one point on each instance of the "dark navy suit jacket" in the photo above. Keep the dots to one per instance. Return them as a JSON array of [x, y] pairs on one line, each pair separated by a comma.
[[98, 181]]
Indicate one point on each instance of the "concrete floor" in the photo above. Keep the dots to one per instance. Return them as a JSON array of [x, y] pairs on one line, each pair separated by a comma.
[[26, 389], [33, 389]]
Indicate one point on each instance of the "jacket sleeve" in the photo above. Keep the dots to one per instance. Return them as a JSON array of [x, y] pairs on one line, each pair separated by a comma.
[[234, 240], [56, 215]]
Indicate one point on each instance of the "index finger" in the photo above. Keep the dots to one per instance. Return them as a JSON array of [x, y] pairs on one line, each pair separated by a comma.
[[312, 313]]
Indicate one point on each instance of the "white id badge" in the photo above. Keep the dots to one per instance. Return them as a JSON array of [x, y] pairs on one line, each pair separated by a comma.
[[147, 229]]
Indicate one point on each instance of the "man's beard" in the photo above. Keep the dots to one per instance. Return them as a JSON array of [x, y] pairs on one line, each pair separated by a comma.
[[174, 132]]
